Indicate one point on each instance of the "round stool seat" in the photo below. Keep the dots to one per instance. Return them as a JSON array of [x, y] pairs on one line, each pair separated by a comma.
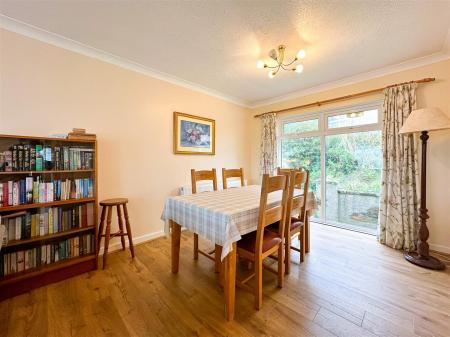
[[113, 202]]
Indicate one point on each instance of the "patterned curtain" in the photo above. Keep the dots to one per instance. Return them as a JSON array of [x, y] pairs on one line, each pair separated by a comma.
[[399, 204], [268, 143]]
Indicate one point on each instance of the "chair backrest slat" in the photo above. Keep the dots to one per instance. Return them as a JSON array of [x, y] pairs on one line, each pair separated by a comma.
[[273, 215], [287, 171], [268, 216], [203, 175], [276, 183], [232, 173]]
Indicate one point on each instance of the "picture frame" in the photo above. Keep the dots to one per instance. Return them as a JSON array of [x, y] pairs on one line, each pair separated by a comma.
[[193, 134]]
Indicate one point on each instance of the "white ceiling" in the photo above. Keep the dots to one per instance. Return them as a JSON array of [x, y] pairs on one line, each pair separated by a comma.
[[215, 45]]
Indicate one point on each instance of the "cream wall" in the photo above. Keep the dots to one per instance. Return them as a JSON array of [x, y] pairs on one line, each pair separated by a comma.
[[431, 94], [46, 89]]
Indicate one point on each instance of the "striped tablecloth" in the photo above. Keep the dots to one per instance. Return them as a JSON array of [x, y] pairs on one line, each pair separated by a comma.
[[221, 216]]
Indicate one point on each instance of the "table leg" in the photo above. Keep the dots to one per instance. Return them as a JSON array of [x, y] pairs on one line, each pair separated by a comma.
[[176, 233], [307, 242], [217, 255], [230, 283]]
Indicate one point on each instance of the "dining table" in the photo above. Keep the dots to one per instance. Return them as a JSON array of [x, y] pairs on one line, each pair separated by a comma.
[[222, 217]]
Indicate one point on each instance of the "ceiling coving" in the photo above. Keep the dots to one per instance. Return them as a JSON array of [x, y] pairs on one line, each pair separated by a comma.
[[280, 63]]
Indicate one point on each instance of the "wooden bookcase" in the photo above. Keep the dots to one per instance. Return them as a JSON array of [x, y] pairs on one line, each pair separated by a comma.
[[24, 280]]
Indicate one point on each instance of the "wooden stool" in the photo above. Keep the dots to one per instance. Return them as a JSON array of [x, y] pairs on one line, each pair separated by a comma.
[[107, 205]]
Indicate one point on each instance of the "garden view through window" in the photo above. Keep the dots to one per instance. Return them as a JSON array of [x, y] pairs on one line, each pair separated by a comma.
[[342, 152]]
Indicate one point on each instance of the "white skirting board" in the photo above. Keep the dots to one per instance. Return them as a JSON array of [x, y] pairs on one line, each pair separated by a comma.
[[117, 245], [440, 248]]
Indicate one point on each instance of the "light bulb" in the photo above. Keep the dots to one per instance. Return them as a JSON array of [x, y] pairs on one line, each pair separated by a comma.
[[299, 68], [301, 54], [260, 64], [271, 74]]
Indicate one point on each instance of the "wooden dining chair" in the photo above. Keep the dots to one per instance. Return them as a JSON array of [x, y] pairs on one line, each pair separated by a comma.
[[287, 171], [232, 173], [257, 246], [294, 224], [205, 175]]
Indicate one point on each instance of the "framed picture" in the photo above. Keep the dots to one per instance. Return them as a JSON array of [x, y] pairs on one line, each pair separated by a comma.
[[193, 134]]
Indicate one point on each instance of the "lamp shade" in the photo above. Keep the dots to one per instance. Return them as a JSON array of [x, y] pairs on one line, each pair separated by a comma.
[[427, 119]]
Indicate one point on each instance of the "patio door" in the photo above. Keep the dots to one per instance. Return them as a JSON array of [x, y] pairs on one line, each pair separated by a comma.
[[342, 151]]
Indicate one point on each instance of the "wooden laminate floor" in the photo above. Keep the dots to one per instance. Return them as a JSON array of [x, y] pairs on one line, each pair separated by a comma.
[[349, 285]]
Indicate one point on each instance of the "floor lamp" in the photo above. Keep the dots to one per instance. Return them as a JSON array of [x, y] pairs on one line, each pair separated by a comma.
[[423, 121]]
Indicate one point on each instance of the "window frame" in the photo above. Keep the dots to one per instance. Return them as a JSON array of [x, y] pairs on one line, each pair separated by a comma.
[[323, 131]]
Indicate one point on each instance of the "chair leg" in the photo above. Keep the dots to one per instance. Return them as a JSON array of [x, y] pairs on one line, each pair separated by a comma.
[[195, 246], [127, 224], [100, 228], [281, 265], [107, 236], [119, 216], [258, 282], [302, 239], [287, 254]]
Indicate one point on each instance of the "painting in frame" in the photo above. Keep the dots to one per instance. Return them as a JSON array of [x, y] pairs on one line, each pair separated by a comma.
[[193, 134]]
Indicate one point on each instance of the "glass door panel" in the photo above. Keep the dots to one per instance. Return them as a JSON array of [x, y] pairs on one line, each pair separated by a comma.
[[353, 163], [304, 152]]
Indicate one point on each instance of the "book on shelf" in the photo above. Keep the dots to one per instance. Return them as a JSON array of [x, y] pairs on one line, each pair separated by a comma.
[[3, 237], [6, 161], [22, 260], [48, 220], [33, 190], [28, 157]]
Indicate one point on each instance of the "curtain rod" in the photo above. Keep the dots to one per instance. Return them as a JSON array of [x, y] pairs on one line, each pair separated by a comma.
[[346, 97]]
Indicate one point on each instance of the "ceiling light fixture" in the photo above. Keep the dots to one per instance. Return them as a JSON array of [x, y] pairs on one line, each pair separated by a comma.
[[278, 57]]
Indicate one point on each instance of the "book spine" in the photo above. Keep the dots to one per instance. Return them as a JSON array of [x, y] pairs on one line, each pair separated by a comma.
[[48, 158], [26, 157], [39, 158], [10, 193], [15, 193], [20, 158], [15, 155], [32, 158]]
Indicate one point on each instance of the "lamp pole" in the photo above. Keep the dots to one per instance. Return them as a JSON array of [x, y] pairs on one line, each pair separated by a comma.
[[422, 257]]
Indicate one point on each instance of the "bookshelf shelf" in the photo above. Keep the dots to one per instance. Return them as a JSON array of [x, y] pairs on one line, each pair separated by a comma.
[[35, 256], [47, 139], [46, 204], [15, 243], [44, 269], [44, 172]]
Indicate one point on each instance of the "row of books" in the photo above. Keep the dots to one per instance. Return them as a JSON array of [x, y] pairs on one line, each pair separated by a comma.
[[35, 190], [23, 260], [27, 157], [46, 221]]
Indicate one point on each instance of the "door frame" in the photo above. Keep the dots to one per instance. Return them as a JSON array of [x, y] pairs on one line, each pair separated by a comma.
[[323, 131]]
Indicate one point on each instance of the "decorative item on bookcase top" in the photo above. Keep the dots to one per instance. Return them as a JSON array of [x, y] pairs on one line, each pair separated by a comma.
[[193, 134], [423, 121], [80, 134]]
